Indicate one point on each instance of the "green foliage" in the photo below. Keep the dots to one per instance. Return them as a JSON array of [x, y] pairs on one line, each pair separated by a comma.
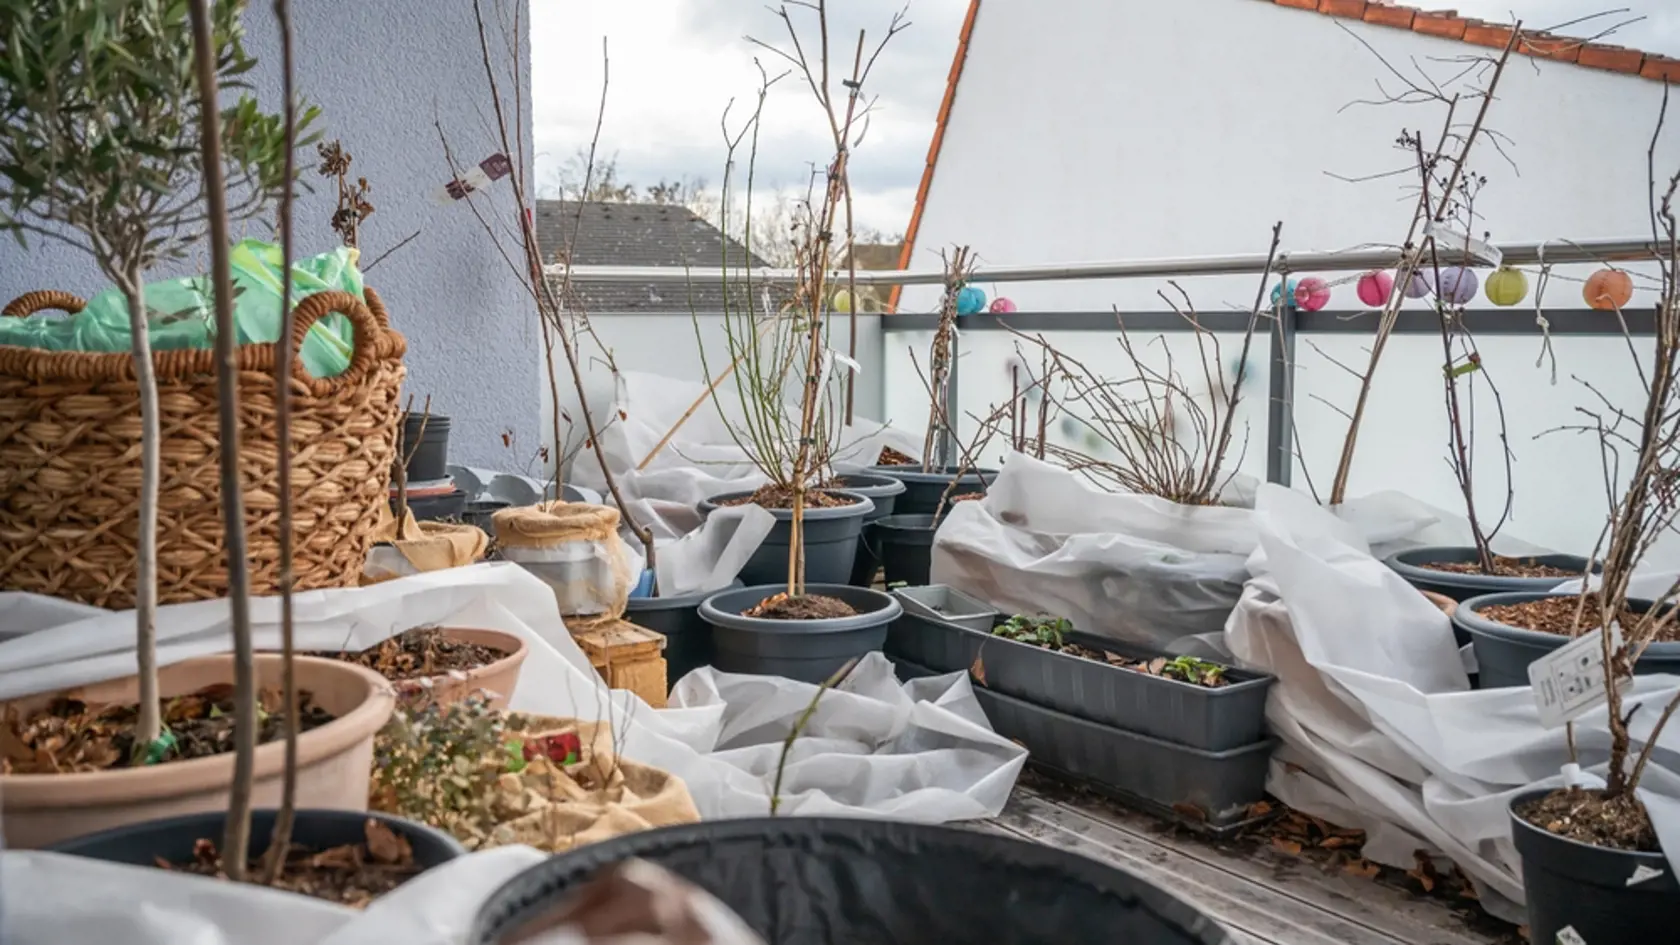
[[1192, 670], [100, 127], [439, 764], [1038, 631]]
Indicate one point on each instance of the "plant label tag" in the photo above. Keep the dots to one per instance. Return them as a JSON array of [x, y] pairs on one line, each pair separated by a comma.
[[1568, 936], [1643, 874], [1569, 681], [1446, 236]]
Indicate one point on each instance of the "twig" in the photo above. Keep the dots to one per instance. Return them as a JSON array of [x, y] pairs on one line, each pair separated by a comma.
[[798, 729]]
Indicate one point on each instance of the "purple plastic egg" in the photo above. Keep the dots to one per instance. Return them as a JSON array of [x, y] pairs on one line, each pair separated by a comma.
[[1375, 288], [1002, 306], [1312, 294]]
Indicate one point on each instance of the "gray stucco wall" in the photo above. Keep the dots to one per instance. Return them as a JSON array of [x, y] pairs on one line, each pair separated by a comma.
[[383, 71]]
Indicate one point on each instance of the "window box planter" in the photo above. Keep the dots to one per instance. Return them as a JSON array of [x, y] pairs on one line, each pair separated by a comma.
[[1211, 719], [939, 602], [1155, 775]]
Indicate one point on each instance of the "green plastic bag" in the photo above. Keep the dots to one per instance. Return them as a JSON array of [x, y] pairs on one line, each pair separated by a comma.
[[181, 312]]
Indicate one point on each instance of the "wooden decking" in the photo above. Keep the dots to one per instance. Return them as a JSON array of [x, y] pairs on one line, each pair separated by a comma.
[[1263, 896]]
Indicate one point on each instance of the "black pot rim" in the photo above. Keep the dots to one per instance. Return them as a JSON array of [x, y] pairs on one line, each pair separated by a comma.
[[722, 609], [442, 841], [1468, 617], [644, 604], [908, 522], [803, 833], [942, 474], [859, 509], [1521, 828], [878, 486], [1402, 562]]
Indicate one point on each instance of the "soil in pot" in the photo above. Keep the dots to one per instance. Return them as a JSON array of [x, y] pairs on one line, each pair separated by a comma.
[[353, 874], [1048, 633], [803, 607], [892, 457], [1556, 615], [779, 497], [1593, 865], [69, 736], [812, 642], [455, 661], [1502, 567], [1455, 572]]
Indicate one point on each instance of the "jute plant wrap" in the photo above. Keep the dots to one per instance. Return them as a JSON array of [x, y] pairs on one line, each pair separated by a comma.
[[575, 548], [70, 462]]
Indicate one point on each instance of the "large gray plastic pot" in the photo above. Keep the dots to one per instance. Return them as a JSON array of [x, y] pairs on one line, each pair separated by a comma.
[[807, 650], [884, 491], [831, 540], [688, 638], [904, 543], [1504, 653], [1461, 587], [923, 490], [851, 881]]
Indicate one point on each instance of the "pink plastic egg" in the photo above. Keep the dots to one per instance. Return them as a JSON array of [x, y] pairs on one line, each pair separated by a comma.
[[1002, 306], [1312, 294], [1375, 287]]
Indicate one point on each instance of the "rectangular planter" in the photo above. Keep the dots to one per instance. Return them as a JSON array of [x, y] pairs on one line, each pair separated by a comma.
[[1195, 716], [1154, 774], [939, 602]]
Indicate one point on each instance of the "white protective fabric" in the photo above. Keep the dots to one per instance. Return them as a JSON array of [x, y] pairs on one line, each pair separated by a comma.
[[873, 747], [702, 459], [1128, 566], [1379, 728]]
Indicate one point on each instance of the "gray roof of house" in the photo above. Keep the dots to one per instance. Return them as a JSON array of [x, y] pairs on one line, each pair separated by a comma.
[[642, 234]]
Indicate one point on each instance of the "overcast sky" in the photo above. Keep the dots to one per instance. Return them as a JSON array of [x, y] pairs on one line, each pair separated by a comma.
[[675, 65]]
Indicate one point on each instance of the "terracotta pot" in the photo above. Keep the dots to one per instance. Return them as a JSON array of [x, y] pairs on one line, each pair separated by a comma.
[[497, 679], [1447, 604], [334, 761]]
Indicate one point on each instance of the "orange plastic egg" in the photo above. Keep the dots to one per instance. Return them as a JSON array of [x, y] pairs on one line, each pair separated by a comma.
[[1608, 290]]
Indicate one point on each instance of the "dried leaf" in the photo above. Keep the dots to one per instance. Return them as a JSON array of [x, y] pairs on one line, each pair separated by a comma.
[[1190, 811], [1363, 868], [1286, 846], [978, 671], [1334, 842], [385, 846], [347, 857], [1259, 809]]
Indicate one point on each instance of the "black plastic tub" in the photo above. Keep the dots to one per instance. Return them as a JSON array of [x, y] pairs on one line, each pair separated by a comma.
[[688, 637], [807, 650], [923, 490], [1462, 587], [851, 881], [436, 508], [1220, 719], [904, 543], [172, 838], [479, 513], [424, 443], [1503, 653], [1155, 775], [831, 541], [1592, 889], [884, 492]]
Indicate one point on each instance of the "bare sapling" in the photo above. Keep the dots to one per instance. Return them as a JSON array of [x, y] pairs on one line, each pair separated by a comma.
[[959, 270], [1445, 162], [784, 371], [100, 151], [969, 453], [1155, 435], [561, 316]]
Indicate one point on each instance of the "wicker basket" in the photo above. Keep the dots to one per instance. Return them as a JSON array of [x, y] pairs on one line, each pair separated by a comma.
[[70, 462]]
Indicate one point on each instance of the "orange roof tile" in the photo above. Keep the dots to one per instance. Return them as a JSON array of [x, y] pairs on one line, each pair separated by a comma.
[[1446, 24]]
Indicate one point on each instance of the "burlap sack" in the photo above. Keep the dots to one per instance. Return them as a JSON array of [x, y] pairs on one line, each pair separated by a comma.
[[602, 796], [420, 546], [573, 547]]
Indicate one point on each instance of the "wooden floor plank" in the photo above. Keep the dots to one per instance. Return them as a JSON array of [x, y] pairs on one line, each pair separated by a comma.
[[1233, 901], [1376, 906]]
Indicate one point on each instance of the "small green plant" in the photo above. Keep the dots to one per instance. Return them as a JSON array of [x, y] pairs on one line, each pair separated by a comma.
[[1192, 670], [438, 764], [1040, 630]]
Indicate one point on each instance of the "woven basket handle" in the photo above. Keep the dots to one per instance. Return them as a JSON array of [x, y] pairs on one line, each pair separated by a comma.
[[31, 302], [364, 342]]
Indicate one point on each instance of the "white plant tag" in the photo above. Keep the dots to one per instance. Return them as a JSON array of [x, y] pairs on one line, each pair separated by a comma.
[[1643, 874], [1569, 681], [1568, 936], [1446, 236]]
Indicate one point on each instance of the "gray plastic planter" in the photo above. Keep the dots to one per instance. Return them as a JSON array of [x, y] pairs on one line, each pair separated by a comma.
[[807, 650], [831, 541], [884, 492], [1222, 719], [904, 543], [1152, 773], [922, 490], [938, 602], [1504, 653], [688, 638], [1462, 587]]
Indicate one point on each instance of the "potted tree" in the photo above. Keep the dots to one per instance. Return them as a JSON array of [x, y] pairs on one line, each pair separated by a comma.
[[1591, 859], [797, 617], [121, 186]]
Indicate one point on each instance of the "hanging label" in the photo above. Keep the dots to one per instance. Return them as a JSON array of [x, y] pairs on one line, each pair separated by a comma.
[[491, 169], [1568, 936], [1569, 681], [1488, 254], [1643, 874]]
